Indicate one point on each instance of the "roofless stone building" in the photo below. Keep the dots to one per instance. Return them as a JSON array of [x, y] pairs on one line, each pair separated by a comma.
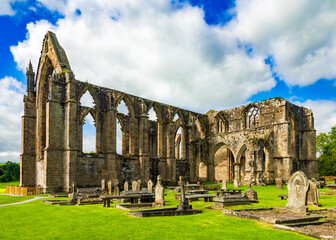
[[258, 142]]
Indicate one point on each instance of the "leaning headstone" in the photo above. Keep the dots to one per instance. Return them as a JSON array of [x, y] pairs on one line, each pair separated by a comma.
[[331, 213], [224, 185], [139, 185], [297, 192], [313, 194], [159, 192], [236, 183], [116, 187], [150, 186], [180, 180], [134, 185], [126, 187], [103, 184], [109, 186], [251, 194], [278, 183]]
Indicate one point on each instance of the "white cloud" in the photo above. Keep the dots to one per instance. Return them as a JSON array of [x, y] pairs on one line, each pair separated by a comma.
[[300, 35], [324, 112], [11, 110], [155, 50], [6, 8]]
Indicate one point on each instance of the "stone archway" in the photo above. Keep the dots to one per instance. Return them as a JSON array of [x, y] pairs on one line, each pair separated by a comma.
[[223, 163]]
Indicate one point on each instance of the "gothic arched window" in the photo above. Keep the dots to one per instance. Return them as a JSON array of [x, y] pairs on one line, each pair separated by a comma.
[[252, 117]]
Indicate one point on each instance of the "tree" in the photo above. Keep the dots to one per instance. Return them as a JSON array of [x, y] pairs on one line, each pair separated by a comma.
[[11, 172], [326, 150]]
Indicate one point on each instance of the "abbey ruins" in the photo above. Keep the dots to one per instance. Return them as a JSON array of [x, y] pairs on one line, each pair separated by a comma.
[[255, 143]]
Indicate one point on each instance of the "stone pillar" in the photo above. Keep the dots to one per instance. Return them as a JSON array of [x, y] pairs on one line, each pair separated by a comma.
[[184, 137], [237, 172], [111, 143], [171, 161], [191, 155], [70, 141], [133, 136], [143, 147], [28, 155]]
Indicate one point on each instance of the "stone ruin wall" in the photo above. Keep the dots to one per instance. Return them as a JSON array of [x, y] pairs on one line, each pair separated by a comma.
[[216, 145]]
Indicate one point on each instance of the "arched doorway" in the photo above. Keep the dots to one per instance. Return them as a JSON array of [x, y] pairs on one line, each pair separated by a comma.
[[224, 164], [203, 171]]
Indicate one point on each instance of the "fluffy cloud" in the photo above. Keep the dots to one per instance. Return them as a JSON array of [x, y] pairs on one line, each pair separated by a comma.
[[300, 35], [153, 49], [5, 7], [11, 110]]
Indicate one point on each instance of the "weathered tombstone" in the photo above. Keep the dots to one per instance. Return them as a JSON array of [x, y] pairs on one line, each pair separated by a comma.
[[278, 183], [236, 183], [134, 185], [297, 192], [331, 213], [312, 195], [198, 183], [251, 194], [126, 187], [180, 180], [103, 184], [150, 186], [224, 185], [159, 192], [139, 185], [74, 187], [116, 187], [109, 186]]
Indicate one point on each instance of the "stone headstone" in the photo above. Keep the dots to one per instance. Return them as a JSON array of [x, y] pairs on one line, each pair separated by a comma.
[[116, 187], [180, 180], [251, 194], [109, 186], [297, 192], [159, 192], [103, 184], [199, 183], [224, 185], [236, 183], [126, 187], [278, 183], [139, 185], [150, 186], [331, 213], [313, 194], [134, 185]]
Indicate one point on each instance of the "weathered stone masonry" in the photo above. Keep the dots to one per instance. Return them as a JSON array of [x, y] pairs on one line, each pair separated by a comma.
[[257, 142]]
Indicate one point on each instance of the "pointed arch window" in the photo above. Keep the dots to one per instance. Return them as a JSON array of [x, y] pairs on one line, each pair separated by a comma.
[[222, 123], [252, 117]]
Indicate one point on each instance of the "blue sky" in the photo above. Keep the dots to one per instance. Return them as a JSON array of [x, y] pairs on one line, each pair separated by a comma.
[[197, 54]]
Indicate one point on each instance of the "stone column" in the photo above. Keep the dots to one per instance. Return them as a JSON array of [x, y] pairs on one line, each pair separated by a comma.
[[143, 147], [70, 127], [133, 136], [171, 161], [237, 172], [111, 143]]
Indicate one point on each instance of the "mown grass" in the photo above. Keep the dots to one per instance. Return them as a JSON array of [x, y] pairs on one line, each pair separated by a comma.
[[36, 220]]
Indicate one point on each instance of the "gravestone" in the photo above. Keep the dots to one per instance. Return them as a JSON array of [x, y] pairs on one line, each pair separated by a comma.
[[331, 213], [103, 184], [236, 183], [198, 183], [109, 186], [116, 187], [251, 194], [134, 185], [297, 192], [224, 185], [126, 187], [180, 180], [150, 186], [278, 183], [159, 192], [313, 194], [139, 185]]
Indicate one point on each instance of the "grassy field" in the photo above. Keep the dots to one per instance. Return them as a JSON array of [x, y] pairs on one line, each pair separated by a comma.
[[36, 220]]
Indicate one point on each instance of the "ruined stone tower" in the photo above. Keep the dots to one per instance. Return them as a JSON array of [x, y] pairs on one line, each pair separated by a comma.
[[254, 143]]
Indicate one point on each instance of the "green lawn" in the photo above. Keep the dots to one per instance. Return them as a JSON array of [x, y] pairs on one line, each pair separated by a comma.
[[36, 220]]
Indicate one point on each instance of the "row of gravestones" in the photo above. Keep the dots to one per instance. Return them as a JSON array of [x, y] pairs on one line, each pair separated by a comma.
[[136, 186]]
